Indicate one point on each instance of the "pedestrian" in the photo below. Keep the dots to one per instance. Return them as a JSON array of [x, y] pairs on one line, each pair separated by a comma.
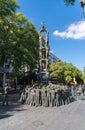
[[5, 99], [83, 89]]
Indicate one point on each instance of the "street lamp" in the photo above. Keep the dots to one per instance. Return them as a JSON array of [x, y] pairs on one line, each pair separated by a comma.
[[82, 2]]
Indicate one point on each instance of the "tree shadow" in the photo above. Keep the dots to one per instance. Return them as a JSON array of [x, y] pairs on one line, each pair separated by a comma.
[[13, 107], [4, 116]]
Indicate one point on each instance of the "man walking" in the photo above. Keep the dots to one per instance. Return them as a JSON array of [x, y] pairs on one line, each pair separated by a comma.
[[5, 100]]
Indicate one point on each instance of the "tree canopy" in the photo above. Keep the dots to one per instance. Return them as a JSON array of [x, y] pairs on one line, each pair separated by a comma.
[[18, 36], [68, 2], [65, 72]]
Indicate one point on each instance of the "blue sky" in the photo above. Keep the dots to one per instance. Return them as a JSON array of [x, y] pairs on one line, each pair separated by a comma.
[[65, 25]]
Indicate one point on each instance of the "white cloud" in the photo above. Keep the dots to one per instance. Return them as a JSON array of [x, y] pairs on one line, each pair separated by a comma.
[[74, 31], [51, 51]]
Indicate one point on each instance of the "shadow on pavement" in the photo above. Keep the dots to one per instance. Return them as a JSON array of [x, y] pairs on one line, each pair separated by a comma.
[[4, 116], [13, 107]]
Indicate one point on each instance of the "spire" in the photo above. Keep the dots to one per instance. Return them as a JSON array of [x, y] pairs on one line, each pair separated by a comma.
[[43, 27]]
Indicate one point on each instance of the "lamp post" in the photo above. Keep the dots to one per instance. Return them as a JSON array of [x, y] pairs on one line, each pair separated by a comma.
[[82, 2]]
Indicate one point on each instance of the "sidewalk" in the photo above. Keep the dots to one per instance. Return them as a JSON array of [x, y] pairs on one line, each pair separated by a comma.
[[24, 117], [12, 104]]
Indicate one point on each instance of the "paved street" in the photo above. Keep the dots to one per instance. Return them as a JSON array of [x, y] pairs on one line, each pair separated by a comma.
[[24, 117]]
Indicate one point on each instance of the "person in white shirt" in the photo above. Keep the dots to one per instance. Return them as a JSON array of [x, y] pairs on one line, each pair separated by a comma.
[[5, 99]]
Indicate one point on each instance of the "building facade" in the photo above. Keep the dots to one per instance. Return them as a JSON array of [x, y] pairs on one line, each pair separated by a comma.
[[53, 58]]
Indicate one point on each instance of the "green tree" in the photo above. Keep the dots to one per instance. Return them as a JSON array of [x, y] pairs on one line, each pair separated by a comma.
[[65, 72], [83, 77], [25, 42], [68, 2], [18, 37], [7, 9]]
